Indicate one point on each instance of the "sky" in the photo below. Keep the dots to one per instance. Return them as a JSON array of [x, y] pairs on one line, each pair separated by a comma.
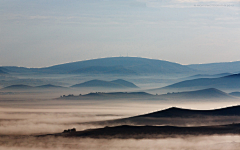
[[39, 33]]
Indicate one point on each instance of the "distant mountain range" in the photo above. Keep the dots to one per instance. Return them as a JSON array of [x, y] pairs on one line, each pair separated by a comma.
[[231, 82], [106, 84], [111, 65]]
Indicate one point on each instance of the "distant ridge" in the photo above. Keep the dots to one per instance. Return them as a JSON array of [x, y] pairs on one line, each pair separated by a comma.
[[216, 68], [107, 84], [210, 93], [18, 86], [104, 70], [49, 86], [111, 65], [205, 94], [27, 87], [235, 94], [208, 75], [231, 82]]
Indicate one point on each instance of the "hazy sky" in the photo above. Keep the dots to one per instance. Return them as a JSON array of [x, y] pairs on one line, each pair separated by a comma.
[[36, 33]]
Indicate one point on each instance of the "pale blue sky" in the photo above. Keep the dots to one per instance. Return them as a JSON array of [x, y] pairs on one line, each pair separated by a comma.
[[37, 33]]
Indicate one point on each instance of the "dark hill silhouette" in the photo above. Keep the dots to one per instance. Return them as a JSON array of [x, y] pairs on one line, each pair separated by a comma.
[[148, 132], [216, 68], [107, 84], [230, 82], [181, 117], [180, 112]]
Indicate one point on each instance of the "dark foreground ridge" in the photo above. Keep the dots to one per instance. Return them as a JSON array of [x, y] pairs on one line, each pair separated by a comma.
[[180, 117], [139, 132]]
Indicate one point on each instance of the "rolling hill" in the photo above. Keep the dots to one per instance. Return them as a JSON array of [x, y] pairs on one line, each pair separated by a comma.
[[111, 65], [210, 93], [23, 87], [106, 84], [217, 68], [231, 82]]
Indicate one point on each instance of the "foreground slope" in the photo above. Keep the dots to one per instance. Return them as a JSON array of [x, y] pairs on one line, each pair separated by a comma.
[[139, 132], [181, 117]]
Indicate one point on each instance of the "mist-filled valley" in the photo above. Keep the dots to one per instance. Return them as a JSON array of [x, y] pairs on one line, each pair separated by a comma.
[[117, 111]]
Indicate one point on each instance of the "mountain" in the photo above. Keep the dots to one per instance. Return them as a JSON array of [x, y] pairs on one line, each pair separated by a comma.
[[111, 65], [106, 84], [149, 132], [210, 93], [231, 82], [216, 68]]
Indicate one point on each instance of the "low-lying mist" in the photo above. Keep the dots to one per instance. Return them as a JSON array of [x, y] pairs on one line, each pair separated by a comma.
[[226, 142], [21, 119]]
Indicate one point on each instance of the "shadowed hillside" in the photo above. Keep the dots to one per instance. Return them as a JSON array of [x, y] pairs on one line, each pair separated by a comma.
[[139, 132]]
